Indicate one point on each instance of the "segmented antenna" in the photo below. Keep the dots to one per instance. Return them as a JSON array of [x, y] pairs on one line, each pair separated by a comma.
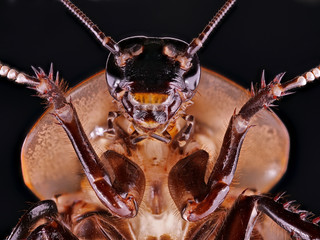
[[107, 42], [197, 43]]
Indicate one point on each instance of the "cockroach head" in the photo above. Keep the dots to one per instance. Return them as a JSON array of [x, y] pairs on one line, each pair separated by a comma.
[[152, 77]]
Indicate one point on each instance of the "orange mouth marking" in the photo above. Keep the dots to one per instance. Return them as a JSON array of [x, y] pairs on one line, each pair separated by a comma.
[[150, 98]]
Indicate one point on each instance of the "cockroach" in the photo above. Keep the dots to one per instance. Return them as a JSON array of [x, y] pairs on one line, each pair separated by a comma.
[[250, 76]]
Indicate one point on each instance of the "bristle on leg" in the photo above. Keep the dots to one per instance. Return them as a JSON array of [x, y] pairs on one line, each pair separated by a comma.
[[278, 89]]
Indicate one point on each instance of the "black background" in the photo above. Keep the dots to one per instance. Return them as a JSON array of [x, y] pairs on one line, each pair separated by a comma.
[[266, 34]]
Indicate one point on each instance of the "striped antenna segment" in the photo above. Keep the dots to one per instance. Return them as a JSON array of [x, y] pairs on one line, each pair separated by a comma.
[[107, 42], [197, 43]]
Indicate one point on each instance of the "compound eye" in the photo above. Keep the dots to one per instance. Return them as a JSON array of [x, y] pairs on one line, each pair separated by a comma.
[[192, 82], [116, 82], [113, 82]]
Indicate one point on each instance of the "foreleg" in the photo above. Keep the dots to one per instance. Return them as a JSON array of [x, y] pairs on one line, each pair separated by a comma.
[[121, 200], [198, 206]]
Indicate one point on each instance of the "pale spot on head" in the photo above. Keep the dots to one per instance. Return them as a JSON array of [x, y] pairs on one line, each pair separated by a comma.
[[167, 50]]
